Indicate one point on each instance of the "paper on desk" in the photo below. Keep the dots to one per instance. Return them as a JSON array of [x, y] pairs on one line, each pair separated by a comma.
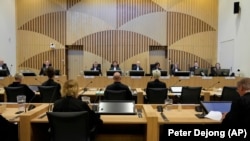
[[214, 115]]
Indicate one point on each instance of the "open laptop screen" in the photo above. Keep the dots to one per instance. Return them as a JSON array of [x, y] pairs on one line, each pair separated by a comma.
[[221, 106], [176, 89], [116, 107]]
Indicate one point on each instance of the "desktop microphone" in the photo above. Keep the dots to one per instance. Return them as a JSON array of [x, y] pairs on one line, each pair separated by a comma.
[[85, 88], [10, 68], [211, 86], [30, 106], [176, 83], [38, 80]]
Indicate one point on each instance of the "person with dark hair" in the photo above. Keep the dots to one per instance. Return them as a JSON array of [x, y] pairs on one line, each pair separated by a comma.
[[3, 66], [18, 83], [50, 82], [175, 68], [214, 69], [157, 66], [70, 103], [115, 66], [45, 67]]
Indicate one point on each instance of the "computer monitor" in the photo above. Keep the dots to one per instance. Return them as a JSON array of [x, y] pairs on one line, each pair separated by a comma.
[[116, 107], [29, 74], [3, 73], [164, 73], [136, 73], [111, 72], [201, 72], [91, 73], [176, 89], [182, 73], [57, 72], [223, 72], [221, 106]]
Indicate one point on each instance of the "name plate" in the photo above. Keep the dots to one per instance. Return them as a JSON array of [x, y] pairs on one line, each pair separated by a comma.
[[164, 77], [229, 77], [89, 76], [207, 77], [184, 77], [136, 77]]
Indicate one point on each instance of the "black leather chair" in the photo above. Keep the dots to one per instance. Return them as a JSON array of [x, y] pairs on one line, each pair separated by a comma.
[[115, 95], [69, 126], [13, 92], [190, 95], [156, 95], [47, 93], [229, 94]]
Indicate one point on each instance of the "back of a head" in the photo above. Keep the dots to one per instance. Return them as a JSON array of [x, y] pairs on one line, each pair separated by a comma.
[[18, 76], [245, 83], [156, 74], [50, 72], [117, 76], [70, 88]]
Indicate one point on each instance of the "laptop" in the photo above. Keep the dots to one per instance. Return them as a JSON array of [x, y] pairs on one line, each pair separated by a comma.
[[116, 107], [221, 106], [176, 89]]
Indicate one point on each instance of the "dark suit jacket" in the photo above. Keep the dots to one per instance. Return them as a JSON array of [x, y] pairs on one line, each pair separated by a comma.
[[239, 114], [98, 69], [4, 66], [51, 82], [43, 70], [135, 68], [71, 104], [8, 130], [120, 86], [117, 68], [156, 84], [173, 71], [193, 69], [213, 71], [27, 91]]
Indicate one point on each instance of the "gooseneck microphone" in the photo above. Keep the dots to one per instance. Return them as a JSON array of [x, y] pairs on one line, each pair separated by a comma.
[[86, 87], [38, 80], [29, 105], [175, 83], [211, 85]]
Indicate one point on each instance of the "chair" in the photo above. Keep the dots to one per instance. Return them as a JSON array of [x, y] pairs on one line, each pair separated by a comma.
[[47, 93], [152, 66], [115, 95], [13, 92], [156, 95], [69, 126], [190, 95], [229, 94], [132, 66]]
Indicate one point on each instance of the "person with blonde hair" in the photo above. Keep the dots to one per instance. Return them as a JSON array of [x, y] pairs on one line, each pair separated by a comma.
[[70, 103]]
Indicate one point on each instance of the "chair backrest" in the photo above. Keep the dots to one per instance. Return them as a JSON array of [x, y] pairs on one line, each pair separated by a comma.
[[69, 126], [47, 93], [229, 94], [152, 66], [132, 66], [13, 92], [115, 95], [157, 95], [190, 95]]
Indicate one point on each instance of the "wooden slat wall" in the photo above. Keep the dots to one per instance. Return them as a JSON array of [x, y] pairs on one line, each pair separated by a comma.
[[190, 31]]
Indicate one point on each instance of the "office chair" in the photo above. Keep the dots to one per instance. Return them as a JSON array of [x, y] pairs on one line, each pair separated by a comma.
[[152, 66], [47, 93], [190, 95], [115, 95], [156, 95], [13, 92], [229, 94], [69, 126]]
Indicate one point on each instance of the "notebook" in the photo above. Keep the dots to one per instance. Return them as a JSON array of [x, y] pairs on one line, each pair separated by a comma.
[[176, 89], [116, 107], [221, 106]]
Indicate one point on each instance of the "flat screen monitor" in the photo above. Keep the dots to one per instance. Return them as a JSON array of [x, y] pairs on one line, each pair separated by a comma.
[[164, 73], [116, 107], [57, 72], [136, 73], [221, 106], [3, 73], [34, 88], [223, 72], [111, 72], [182, 73], [176, 89], [201, 72], [29, 74], [91, 73]]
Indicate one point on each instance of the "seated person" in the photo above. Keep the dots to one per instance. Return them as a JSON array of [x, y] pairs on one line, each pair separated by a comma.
[[117, 85], [96, 67], [156, 83], [114, 66], [137, 66], [18, 83], [4, 66], [157, 66], [195, 66], [175, 68], [214, 69], [44, 67], [70, 103], [50, 82]]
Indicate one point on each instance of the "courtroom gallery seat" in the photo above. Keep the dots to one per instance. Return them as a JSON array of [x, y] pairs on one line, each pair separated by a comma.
[[69, 126], [190, 95], [47, 93], [229, 94], [156, 95], [13, 92], [115, 95]]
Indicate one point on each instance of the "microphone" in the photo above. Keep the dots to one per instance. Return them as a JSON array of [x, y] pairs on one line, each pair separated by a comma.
[[176, 83], [38, 80], [30, 106], [211, 85], [10, 68], [85, 88]]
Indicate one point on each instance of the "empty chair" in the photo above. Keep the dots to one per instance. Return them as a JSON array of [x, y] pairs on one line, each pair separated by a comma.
[[115, 95], [190, 95], [69, 126], [47, 93], [156, 95], [13, 92], [229, 94]]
